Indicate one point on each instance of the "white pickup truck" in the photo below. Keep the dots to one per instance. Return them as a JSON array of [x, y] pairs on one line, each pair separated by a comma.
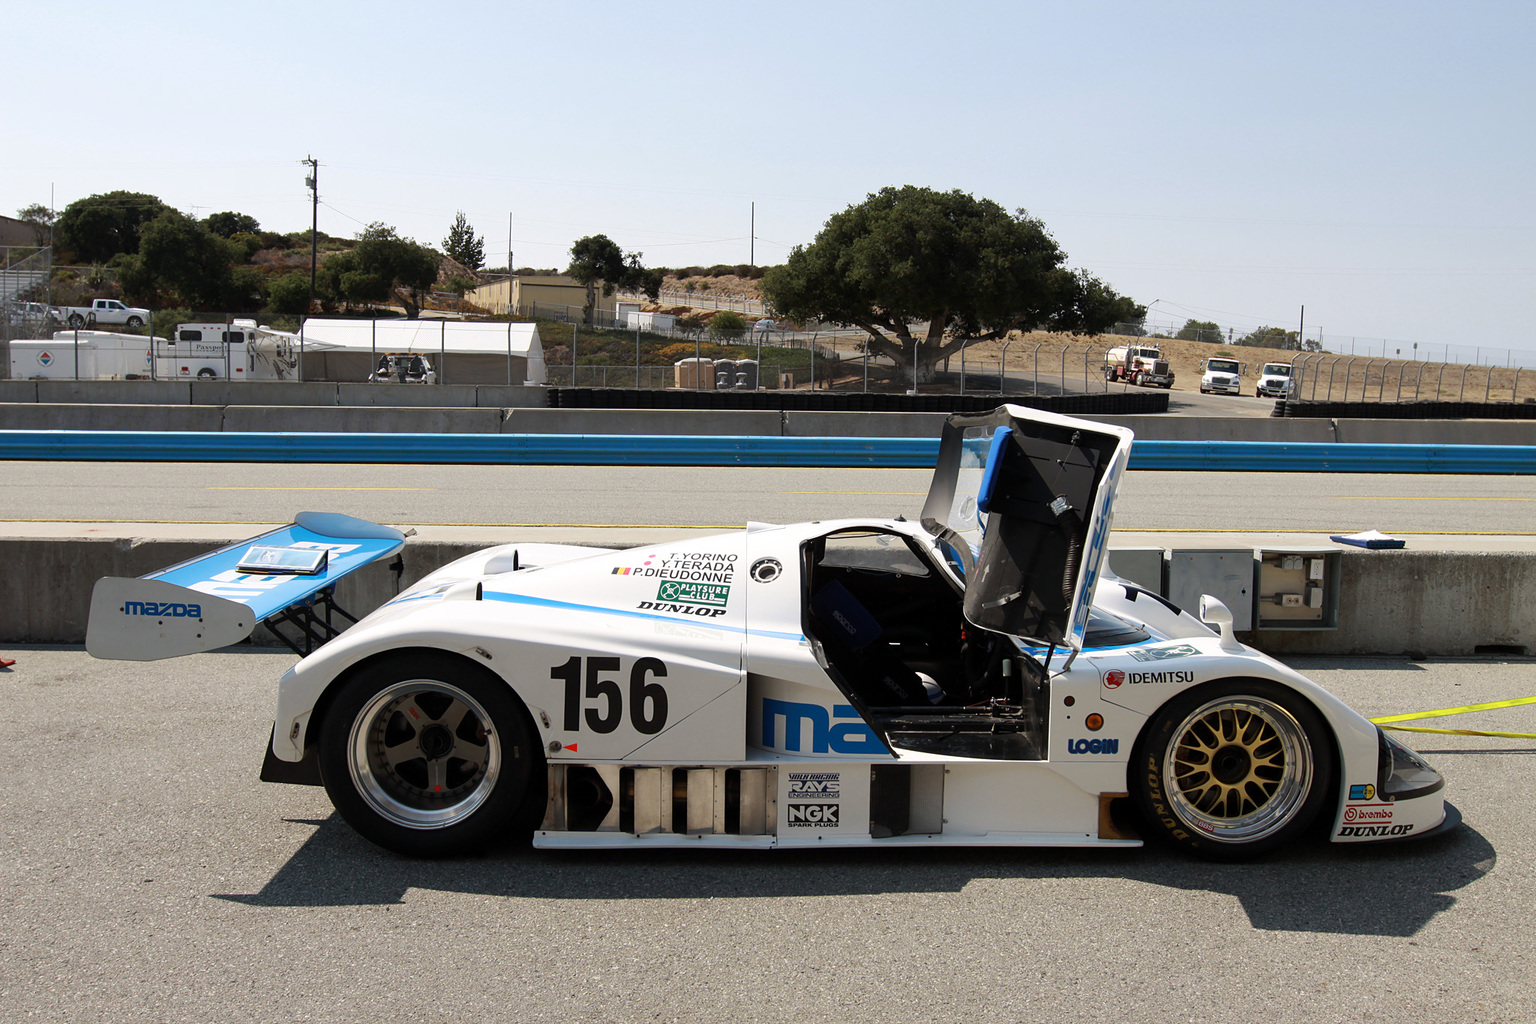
[[103, 311]]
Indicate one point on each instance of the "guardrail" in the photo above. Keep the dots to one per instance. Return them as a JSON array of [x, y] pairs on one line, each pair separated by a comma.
[[715, 450]]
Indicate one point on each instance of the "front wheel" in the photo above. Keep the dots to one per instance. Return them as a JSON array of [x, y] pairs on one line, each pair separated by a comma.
[[1232, 770], [135, 321], [428, 756]]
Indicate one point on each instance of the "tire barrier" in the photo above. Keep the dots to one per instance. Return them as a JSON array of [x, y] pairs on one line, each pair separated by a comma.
[[1407, 410], [716, 450], [1098, 404]]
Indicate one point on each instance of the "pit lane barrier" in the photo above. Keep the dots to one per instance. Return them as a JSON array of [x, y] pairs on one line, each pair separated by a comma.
[[1467, 709], [717, 450]]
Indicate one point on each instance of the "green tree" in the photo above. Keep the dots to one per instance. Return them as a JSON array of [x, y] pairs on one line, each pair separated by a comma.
[[181, 262], [1201, 330], [462, 245], [289, 294], [727, 325], [229, 223], [1089, 306], [1271, 337], [962, 268], [597, 261], [384, 264], [40, 219], [103, 226]]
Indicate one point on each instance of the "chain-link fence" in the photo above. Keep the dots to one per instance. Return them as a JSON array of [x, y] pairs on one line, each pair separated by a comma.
[[1326, 377]]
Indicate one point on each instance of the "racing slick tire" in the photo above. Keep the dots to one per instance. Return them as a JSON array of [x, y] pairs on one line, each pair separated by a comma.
[[1233, 769], [430, 756]]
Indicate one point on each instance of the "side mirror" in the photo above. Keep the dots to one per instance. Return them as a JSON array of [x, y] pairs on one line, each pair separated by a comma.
[[1217, 615]]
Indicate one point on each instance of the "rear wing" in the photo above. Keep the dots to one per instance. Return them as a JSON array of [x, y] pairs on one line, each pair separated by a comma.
[[217, 599]]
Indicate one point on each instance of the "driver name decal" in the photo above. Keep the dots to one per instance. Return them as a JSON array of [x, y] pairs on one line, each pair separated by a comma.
[[696, 567]]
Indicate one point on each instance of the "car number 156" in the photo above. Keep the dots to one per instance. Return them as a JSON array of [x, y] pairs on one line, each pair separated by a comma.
[[605, 699]]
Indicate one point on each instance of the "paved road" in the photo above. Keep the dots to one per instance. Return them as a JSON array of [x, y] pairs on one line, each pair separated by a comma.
[[729, 497], [147, 876]]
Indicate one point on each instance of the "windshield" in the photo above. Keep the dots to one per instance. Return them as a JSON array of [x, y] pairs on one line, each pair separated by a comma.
[[1277, 369], [1222, 365], [1149, 353]]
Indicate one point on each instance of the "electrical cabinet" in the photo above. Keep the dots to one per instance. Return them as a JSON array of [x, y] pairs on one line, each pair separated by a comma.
[[1296, 588]]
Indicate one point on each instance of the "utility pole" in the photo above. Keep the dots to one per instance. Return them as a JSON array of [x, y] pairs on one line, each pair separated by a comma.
[[313, 183], [752, 244]]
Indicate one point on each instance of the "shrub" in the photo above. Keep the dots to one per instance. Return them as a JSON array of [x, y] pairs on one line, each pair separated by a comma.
[[727, 325]]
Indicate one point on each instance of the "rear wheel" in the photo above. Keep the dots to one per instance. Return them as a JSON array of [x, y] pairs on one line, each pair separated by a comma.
[[135, 321], [76, 320], [428, 756], [1233, 770]]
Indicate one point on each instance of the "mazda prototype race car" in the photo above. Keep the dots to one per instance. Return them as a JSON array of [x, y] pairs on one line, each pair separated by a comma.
[[975, 678]]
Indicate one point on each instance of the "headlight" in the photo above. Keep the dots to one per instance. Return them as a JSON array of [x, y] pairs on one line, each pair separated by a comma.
[[1400, 773]]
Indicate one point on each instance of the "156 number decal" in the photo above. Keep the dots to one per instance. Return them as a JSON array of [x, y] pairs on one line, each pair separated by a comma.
[[647, 699]]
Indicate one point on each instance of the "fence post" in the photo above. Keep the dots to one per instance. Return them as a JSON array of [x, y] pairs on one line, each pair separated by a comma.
[[1488, 388], [373, 347], [1036, 389], [442, 352], [1002, 372], [1461, 391]]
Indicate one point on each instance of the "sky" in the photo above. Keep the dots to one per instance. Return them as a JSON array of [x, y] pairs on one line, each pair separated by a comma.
[[1371, 162]]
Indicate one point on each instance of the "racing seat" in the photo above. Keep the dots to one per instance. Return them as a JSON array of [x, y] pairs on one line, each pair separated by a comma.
[[852, 639]]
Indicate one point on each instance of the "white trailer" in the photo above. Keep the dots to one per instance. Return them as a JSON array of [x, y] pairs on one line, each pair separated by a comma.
[[237, 351], [81, 355]]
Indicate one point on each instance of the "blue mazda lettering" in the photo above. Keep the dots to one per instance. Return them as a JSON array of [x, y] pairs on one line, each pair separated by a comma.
[[169, 609], [827, 737]]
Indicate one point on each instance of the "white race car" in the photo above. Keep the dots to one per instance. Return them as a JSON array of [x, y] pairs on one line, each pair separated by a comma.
[[976, 678]]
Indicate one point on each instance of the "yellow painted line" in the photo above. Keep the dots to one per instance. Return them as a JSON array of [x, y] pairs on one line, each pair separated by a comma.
[[1465, 710], [319, 488], [1415, 497], [902, 494], [1465, 732]]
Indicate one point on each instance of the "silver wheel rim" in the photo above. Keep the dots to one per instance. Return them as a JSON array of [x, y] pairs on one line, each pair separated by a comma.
[[423, 754], [1238, 769]]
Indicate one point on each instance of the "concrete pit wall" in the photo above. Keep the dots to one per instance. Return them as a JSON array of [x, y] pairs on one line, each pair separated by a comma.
[[1449, 603]]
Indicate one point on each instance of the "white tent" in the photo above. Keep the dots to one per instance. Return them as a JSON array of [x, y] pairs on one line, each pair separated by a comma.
[[461, 352]]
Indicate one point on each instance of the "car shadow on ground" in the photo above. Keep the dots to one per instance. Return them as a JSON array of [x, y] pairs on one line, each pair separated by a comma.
[[1389, 890]]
